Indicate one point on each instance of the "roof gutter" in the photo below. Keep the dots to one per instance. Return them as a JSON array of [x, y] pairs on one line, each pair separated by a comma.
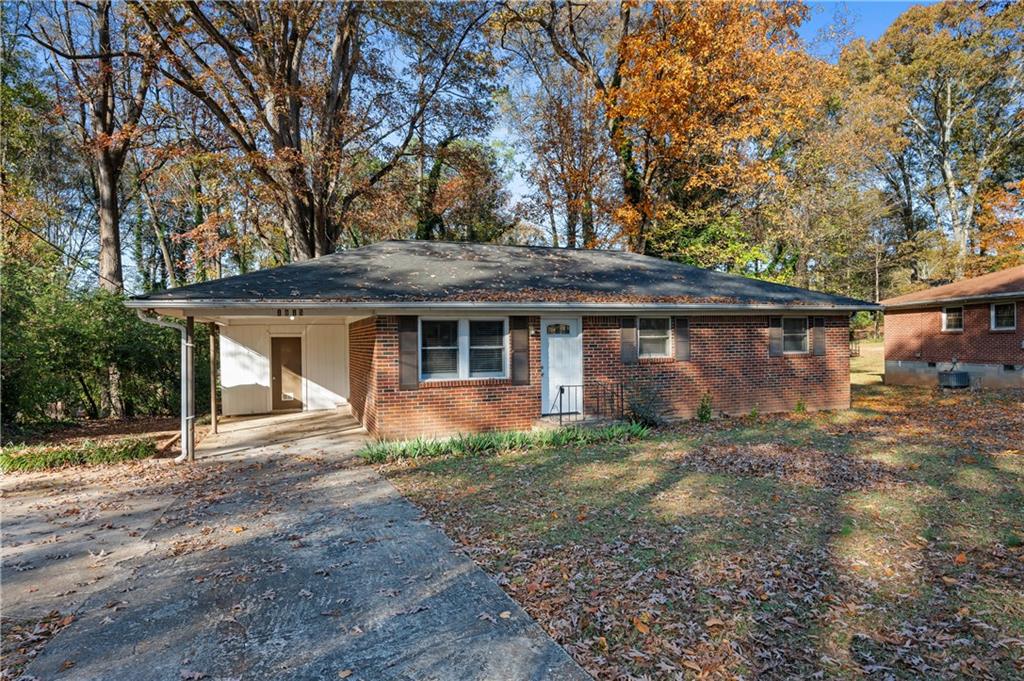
[[958, 299], [480, 306]]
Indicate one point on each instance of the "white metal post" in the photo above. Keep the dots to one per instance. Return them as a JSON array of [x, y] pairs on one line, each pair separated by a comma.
[[188, 447]]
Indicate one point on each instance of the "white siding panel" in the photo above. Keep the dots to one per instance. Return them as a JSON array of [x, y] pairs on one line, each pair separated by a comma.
[[245, 369], [326, 366]]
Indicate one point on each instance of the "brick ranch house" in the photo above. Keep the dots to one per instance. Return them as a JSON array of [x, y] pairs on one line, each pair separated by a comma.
[[975, 322], [433, 338]]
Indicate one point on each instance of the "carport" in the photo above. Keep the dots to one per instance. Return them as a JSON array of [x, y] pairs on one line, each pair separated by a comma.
[[266, 360]]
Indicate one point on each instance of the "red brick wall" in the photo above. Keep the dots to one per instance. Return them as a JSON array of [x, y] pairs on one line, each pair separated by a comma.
[[729, 360], [917, 335], [362, 371], [449, 407]]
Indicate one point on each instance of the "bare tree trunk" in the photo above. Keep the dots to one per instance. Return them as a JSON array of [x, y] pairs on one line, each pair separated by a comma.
[[587, 219], [161, 240], [111, 273], [572, 219]]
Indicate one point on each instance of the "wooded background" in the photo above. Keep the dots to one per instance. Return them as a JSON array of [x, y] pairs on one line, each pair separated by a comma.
[[150, 145]]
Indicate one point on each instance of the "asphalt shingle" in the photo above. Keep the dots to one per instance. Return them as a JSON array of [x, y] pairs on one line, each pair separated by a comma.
[[432, 271]]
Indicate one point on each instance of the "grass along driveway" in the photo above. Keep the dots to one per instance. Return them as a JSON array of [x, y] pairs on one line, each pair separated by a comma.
[[883, 540]]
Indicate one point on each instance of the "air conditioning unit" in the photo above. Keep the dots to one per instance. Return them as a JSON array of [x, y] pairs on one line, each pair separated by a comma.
[[954, 379]]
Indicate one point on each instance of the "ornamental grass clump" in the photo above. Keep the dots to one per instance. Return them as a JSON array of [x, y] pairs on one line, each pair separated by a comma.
[[485, 444], [87, 453]]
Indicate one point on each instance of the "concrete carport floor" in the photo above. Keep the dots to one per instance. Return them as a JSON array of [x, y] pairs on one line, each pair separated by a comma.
[[292, 561]]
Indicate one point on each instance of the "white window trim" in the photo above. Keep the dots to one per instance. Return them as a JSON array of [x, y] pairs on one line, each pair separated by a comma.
[[807, 335], [945, 329], [992, 317], [463, 350], [668, 341]]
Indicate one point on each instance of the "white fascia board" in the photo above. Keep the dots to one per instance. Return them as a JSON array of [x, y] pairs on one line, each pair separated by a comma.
[[320, 307]]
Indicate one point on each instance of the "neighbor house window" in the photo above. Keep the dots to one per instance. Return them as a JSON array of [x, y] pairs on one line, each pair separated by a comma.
[[952, 319], [654, 336], [1004, 316], [794, 335], [463, 348]]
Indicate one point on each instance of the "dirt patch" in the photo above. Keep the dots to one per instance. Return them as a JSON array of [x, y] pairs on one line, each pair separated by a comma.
[[159, 427], [837, 472]]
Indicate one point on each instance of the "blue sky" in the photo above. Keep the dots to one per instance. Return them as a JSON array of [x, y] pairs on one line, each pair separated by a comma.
[[867, 19]]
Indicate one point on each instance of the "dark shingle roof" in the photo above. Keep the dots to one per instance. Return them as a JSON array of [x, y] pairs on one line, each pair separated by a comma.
[[431, 271], [1004, 282]]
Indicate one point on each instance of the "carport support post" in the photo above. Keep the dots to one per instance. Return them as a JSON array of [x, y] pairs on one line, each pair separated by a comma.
[[188, 385], [213, 377]]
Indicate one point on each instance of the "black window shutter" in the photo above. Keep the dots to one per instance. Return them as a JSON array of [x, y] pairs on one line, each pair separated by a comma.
[[682, 338], [520, 329], [819, 335], [408, 352], [628, 340], [775, 336]]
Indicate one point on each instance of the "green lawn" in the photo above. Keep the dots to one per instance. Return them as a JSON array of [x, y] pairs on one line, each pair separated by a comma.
[[869, 367], [881, 540]]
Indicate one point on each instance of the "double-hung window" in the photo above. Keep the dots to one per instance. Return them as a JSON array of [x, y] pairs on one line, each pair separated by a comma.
[[463, 348], [486, 348], [794, 335], [1004, 316], [952, 319], [439, 348], [653, 334]]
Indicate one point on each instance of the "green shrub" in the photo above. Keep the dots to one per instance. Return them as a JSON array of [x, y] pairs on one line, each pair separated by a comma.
[[38, 458], [481, 444], [801, 406], [704, 408]]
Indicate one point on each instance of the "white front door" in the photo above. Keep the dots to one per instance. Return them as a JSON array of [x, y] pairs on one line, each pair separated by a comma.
[[561, 357]]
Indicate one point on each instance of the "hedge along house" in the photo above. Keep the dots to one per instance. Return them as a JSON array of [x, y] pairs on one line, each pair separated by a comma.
[[974, 322], [434, 338]]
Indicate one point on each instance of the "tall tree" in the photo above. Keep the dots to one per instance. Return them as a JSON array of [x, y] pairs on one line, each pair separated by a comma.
[[325, 99], [558, 124], [685, 87], [955, 72], [105, 77]]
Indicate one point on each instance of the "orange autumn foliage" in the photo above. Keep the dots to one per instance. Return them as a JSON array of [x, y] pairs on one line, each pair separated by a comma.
[[1000, 229], [703, 86]]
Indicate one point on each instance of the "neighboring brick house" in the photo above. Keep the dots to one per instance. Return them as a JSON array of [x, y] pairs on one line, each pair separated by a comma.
[[432, 338], [975, 323]]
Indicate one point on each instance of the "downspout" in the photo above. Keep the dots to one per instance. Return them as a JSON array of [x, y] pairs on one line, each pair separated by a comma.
[[186, 416]]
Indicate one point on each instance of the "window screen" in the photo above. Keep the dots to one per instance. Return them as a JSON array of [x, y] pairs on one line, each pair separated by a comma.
[[486, 348], [794, 334], [953, 319], [1004, 316], [653, 334], [440, 353]]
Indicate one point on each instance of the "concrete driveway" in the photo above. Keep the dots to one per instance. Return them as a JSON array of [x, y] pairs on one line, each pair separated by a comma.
[[288, 560]]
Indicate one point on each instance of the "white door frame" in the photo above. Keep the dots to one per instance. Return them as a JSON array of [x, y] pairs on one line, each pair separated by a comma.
[[545, 397]]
